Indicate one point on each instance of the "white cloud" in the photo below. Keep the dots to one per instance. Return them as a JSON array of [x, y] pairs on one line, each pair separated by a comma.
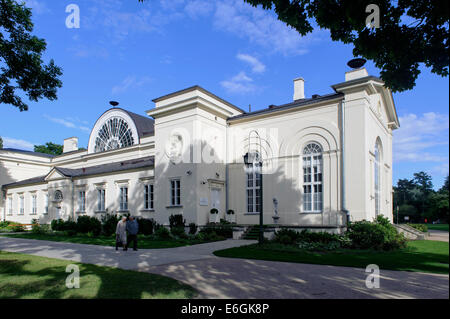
[[130, 82], [240, 83], [257, 66], [9, 142], [420, 138], [69, 123], [261, 27], [37, 7], [198, 8]]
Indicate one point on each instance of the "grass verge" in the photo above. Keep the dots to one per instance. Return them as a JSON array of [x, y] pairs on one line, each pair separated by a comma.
[[422, 255], [31, 277], [144, 242], [442, 227]]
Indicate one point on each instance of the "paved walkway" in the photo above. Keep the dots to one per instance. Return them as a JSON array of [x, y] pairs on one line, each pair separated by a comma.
[[217, 277], [437, 235]]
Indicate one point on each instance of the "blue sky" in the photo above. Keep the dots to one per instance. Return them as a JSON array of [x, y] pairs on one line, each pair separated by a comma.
[[133, 52]]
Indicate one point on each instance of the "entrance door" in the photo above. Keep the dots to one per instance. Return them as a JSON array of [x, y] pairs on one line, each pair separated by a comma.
[[215, 198], [57, 212]]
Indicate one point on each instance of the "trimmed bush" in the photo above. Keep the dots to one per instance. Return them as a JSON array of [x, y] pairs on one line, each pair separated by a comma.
[[109, 224], [287, 236], [193, 228], [162, 233], [87, 224], [379, 235], [176, 221], [146, 226], [179, 232]]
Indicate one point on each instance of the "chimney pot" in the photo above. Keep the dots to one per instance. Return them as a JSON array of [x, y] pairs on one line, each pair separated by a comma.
[[70, 144], [299, 89]]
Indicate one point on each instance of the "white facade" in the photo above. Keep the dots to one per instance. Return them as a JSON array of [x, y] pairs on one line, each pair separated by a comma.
[[321, 158]]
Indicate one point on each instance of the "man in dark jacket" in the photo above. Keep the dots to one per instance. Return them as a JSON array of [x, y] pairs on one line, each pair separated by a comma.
[[132, 229]]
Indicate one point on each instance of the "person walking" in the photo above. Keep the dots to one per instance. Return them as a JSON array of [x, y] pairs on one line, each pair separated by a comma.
[[121, 234], [132, 229]]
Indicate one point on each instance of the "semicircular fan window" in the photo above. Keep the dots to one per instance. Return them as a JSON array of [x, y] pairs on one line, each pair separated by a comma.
[[115, 133]]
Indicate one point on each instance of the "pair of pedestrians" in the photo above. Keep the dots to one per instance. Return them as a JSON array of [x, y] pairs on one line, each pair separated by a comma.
[[125, 226]]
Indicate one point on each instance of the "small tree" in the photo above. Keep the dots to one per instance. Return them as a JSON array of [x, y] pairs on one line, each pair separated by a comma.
[[49, 148]]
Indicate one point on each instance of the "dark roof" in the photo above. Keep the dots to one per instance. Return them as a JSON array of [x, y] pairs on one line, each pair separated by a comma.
[[144, 125], [356, 81], [295, 104], [197, 87], [92, 170], [27, 152]]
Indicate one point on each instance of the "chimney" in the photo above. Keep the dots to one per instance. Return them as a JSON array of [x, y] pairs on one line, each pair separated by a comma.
[[299, 89], [359, 71], [70, 144]]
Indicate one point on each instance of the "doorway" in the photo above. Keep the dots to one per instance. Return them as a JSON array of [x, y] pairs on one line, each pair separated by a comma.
[[215, 198]]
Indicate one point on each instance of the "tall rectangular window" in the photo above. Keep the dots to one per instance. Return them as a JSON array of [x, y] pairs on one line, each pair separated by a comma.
[[34, 205], [253, 188], [46, 203], [101, 200], [312, 179], [10, 206], [149, 196], [82, 201], [21, 205], [123, 198], [175, 192]]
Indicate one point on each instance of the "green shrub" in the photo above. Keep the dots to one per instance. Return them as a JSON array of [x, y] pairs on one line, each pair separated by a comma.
[[179, 232], [61, 225], [146, 226], [209, 234], [286, 236], [379, 235], [88, 224], [162, 233], [193, 228], [420, 227], [222, 230], [109, 224], [176, 221], [5, 224], [16, 228], [40, 229]]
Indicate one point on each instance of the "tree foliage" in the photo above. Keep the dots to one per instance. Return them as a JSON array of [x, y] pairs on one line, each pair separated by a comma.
[[417, 199], [411, 32], [1, 143], [49, 148], [22, 70]]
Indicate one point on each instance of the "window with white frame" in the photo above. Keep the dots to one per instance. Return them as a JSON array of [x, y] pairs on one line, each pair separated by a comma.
[[175, 191], [21, 205], [82, 201], [123, 198], [312, 178], [34, 204], [46, 203], [253, 171], [149, 204], [377, 171], [10, 206], [101, 196]]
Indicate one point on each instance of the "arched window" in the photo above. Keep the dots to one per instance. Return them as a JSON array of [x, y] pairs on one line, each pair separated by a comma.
[[253, 170], [114, 134], [377, 177], [312, 178]]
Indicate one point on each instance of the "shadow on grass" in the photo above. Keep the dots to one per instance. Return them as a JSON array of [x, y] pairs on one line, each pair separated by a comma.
[[24, 276], [422, 256]]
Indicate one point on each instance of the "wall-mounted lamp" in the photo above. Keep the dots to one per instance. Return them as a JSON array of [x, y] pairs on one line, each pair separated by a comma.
[[217, 175], [189, 173]]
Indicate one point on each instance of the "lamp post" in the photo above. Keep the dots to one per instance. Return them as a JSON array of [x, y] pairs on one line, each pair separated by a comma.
[[256, 161]]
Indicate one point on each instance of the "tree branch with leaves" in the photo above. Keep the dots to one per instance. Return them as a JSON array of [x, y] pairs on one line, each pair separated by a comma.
[[22, 70]]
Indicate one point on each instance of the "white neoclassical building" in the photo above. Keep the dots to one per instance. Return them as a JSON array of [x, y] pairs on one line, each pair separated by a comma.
[[323, 158]]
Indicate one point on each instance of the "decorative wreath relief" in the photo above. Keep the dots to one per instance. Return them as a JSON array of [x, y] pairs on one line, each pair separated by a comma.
[[174, 148]]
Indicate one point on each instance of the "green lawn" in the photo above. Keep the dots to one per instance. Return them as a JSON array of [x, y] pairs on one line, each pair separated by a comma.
[[143, 241], [422, 255], [26, 276], [443, 227]]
